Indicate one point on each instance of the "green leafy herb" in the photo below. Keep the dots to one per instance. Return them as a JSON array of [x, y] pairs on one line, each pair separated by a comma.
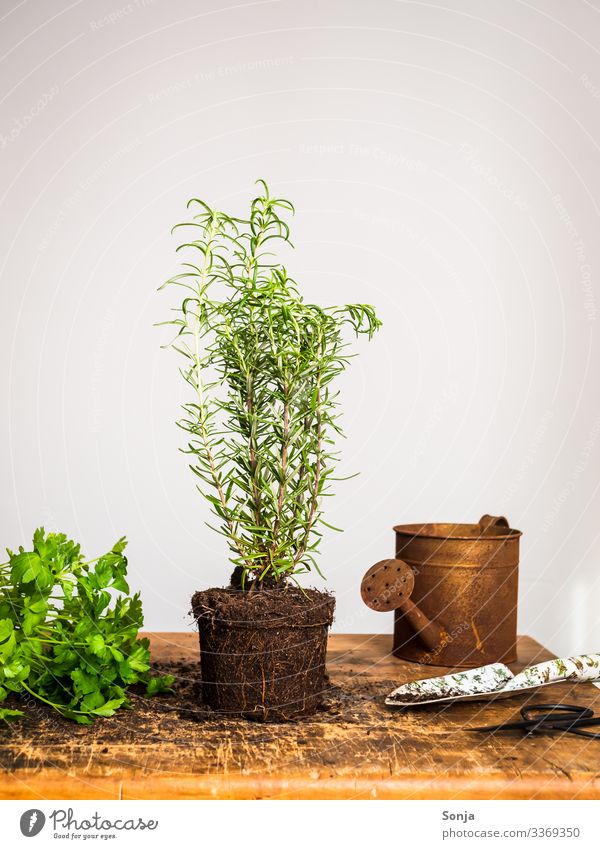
[[68, 630], [262, 365]]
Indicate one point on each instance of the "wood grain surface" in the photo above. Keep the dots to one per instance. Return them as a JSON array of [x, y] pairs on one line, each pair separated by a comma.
[[173, 747]]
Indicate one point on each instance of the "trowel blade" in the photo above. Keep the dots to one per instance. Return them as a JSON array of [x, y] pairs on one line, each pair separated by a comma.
[[471, 682]]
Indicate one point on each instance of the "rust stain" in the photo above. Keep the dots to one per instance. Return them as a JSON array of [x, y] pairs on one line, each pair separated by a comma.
[[478, 643]]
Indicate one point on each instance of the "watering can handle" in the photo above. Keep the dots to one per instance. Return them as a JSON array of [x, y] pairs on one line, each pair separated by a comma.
[[488, 521]]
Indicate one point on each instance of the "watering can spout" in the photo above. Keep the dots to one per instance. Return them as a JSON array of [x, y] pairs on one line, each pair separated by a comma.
[[388, 586]]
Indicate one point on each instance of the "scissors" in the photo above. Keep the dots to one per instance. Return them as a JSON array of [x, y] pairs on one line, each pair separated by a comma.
[[550, 717]]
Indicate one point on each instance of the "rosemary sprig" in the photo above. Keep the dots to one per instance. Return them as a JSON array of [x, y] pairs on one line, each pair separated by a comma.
[[262, 365]]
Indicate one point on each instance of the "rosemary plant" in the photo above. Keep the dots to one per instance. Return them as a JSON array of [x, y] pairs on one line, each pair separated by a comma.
[[262, 365]]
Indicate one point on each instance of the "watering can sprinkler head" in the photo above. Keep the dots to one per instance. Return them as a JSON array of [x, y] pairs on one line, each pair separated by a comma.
[[388, 585]]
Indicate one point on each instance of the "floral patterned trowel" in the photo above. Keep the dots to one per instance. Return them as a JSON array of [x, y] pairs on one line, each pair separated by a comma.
[[495, 681]]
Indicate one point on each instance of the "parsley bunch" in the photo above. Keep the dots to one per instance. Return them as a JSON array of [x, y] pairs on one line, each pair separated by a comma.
[[68, 630]]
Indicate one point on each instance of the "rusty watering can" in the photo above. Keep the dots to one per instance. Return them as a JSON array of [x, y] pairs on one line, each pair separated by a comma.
[[454, 590]]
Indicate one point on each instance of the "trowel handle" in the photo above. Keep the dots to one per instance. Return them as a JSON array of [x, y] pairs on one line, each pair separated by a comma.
[[428, 632]]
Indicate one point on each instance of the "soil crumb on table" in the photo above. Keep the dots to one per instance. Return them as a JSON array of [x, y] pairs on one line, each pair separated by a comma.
[[182, 717]]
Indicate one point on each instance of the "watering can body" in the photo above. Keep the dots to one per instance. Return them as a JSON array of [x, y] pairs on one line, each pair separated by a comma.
[[466, 581]]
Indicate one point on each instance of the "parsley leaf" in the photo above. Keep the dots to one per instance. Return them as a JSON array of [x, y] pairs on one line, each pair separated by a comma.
[[69, 630]]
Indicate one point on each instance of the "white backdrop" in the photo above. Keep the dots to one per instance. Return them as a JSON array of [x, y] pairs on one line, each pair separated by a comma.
[[444, 162]]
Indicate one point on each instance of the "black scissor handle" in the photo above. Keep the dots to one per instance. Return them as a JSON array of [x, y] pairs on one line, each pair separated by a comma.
[[550, 717], [560, 717], [563, 713]]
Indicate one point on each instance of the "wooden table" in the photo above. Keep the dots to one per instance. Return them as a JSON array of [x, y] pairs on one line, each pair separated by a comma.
[[354, 748]]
